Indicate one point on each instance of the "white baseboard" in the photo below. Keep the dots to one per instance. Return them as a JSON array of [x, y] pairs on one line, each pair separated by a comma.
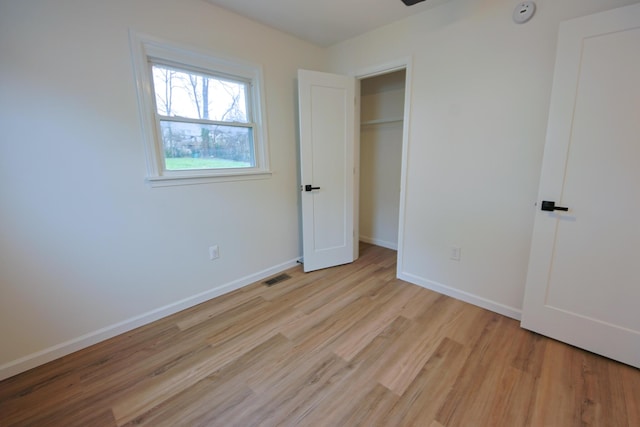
[[496, 307], [47, 355], [379, 242]]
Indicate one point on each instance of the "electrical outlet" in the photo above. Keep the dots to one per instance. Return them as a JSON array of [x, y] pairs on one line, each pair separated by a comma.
[[214, 252], [455, 253]]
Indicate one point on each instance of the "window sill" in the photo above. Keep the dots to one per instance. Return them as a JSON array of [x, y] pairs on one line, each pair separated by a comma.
[[168, 181]]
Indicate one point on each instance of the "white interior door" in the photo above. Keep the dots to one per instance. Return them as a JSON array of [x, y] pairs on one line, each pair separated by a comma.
[[583, 284], [327, 150]]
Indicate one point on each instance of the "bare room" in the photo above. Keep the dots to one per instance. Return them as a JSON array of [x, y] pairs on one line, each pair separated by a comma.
[[389, 212]]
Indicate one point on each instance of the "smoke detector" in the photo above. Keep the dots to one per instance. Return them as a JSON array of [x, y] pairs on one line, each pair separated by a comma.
[[523, 12]]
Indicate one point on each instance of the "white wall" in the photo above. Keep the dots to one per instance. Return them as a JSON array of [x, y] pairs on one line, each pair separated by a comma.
[[87, 249], [479, 103], [381, 98]]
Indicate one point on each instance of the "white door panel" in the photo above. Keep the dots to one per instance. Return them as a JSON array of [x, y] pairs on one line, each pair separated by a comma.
[[583, 284], [327, 144]]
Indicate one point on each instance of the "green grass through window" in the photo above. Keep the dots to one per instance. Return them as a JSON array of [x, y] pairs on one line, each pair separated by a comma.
[[182, 163]]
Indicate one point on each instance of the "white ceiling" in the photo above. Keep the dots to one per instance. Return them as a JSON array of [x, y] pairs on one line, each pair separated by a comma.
[[325, 22]]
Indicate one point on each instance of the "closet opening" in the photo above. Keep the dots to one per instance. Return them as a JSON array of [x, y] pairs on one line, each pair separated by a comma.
[[382, 105]]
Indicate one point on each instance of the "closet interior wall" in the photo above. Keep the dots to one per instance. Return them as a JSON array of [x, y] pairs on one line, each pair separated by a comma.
[[381, 115]]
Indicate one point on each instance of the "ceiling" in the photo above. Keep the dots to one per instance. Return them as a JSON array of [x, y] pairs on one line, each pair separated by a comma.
[[324, 22]]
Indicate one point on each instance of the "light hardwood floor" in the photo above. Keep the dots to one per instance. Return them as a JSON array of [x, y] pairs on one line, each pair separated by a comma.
[[344, 346]]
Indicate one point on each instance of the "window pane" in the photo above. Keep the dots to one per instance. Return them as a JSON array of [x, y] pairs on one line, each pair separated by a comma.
[[197, 146], [193, 95]]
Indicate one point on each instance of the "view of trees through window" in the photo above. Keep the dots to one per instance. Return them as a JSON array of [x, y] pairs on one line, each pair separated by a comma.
[[204, 120]]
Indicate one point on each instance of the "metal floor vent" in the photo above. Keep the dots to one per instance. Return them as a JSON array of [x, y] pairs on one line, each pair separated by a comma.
[[277, 279]]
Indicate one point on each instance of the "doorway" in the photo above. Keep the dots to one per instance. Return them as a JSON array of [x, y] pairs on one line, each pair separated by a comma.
[[382, 114]]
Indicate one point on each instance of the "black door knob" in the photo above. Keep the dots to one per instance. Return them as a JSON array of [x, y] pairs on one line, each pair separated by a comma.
[[310, 188]]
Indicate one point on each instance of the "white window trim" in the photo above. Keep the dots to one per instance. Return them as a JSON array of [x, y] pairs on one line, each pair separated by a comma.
[[144, 48]]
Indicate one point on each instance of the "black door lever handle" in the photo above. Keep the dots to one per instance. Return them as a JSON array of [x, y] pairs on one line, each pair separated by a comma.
[[551, 206], [310, 188]]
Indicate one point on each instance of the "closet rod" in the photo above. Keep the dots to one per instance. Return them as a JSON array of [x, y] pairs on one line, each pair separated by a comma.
[[380, 121]]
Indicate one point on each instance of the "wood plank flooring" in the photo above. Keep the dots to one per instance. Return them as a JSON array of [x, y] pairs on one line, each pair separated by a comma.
[[345, 346]]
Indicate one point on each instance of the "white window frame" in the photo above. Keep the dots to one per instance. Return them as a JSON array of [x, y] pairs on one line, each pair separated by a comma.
[[146, 49]]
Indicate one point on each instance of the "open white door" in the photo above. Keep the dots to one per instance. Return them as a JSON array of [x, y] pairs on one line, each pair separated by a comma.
[[327, 143], [583, 284]]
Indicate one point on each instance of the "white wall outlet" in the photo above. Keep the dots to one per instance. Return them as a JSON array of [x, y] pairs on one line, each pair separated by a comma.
[[214, 252], [455, 253]]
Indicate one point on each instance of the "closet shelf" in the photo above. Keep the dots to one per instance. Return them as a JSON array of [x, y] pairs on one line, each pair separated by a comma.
[[381, 121]]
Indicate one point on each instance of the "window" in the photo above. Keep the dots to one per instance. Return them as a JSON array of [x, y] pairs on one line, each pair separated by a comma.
[[202, 116]]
